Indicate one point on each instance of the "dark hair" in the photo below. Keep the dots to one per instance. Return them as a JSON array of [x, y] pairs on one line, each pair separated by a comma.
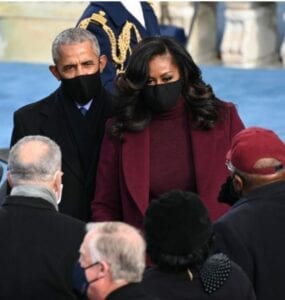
[[175, 263], [131, 112]]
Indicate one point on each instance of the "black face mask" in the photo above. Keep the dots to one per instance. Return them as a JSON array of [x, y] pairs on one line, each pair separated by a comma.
[[161, 98], [82, 89], [80, 282]]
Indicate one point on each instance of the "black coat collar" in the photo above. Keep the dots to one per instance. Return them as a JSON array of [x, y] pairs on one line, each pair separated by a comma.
[[32, 202]]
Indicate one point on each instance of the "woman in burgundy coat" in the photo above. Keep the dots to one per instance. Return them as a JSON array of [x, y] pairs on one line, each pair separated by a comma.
[[169, 132]]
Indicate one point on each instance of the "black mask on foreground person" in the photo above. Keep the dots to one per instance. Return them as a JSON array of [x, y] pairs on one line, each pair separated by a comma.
[[80, 282], [83, 88], [161, 98], [227, 193]]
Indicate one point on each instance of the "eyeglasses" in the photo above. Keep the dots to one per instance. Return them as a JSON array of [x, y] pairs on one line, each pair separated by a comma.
[[230, 166], [273, 169]]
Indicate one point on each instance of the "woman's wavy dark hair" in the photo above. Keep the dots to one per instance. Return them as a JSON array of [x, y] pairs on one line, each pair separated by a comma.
[[176, 263], [130, 110]]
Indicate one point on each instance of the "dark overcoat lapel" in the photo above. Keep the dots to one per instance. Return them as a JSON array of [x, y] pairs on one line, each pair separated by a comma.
[[55, 124]]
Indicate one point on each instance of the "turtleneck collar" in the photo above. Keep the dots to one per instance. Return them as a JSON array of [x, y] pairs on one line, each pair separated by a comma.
[[174, 113]]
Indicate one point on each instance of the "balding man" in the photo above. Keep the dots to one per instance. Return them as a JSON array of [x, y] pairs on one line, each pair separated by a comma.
[[39, 245], [111, 264], [252, 232]]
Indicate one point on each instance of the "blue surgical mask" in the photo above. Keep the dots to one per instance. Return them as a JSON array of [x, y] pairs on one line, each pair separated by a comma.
[[80, 282]]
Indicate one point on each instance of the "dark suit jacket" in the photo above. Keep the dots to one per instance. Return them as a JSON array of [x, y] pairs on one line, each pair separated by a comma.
[[177, 286], [131, 291], [252, 235], [47, 117], [38, 249], [117, 16], [122, 187]]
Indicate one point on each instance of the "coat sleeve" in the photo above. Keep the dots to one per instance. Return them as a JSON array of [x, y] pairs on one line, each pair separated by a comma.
[[26, 121], [106, 205], [241, 283], [18, 129]]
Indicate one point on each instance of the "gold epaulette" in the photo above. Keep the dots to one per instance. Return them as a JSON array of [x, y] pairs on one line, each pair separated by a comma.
[[97, 18], [121, 46]]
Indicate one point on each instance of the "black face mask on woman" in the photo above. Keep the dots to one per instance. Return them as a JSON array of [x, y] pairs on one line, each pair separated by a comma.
[[161, 98], [83, 88]]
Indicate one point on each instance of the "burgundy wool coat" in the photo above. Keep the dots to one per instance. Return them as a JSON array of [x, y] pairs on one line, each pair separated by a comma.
[[122, 184]]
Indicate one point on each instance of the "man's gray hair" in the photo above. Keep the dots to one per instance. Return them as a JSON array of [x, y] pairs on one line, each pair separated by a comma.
[[73, 36], [41, 167], [121, 246]]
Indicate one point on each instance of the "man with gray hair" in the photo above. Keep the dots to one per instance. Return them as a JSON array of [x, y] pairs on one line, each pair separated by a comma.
[[74, 116], [39, 245], [111, 264]]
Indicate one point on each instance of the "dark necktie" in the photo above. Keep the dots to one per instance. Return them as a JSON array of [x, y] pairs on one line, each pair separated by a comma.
[[83, 110]]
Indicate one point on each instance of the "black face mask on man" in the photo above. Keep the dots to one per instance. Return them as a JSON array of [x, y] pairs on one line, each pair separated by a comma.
[[83, 88], [80, 282], [161, 98]]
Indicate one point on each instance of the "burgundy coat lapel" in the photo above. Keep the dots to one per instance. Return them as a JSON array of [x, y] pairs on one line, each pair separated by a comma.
[[209, 151], [135, 156]]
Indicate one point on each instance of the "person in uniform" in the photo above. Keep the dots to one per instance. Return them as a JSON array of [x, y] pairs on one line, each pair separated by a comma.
[[118, 26]]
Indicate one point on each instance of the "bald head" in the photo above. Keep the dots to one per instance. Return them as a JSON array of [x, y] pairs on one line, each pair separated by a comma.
[[33, 159], [32, 152]]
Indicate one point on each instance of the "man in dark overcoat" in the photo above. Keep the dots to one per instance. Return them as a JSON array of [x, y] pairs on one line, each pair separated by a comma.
[[252, 232], [39, 245], [111, 263], [74, 116]]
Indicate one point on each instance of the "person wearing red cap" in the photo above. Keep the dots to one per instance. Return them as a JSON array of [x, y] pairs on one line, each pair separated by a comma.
[[251, 233]]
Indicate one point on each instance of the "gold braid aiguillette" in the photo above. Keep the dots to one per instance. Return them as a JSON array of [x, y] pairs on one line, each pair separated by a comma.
[[119, 47]]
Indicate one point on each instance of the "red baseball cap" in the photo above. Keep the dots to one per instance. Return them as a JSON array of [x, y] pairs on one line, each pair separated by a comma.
[[253, 144]]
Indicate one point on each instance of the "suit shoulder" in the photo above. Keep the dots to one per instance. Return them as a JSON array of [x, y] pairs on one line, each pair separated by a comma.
[[227, 104], [69, 227], [239, 276], [71, 220], [35, 106]]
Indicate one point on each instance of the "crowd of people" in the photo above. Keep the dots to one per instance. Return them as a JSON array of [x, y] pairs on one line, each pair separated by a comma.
[[133, 180]]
